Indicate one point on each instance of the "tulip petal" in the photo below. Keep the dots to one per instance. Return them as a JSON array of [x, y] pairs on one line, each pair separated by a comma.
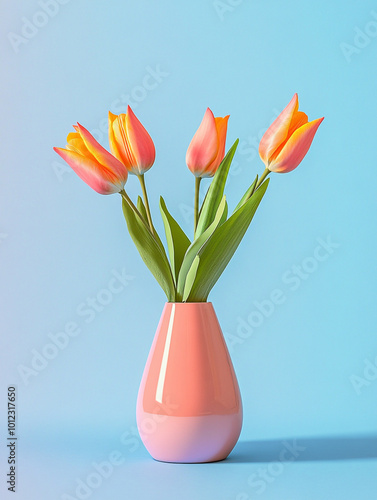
[[298, 120], [221, 127], [106, 159], [113, 143], [72, 136], [204, 145], [97, 177], [112, 117], [295, 148], [121, 141], [75, 143], [278, 130], [140, 142]]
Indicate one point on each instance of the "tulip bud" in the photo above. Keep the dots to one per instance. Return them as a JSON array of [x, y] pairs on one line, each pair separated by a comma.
[[207, 148], [130, 142], [286, 142]]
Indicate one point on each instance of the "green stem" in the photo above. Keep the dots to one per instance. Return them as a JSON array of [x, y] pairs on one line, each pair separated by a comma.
[[262, 178], [130, 202], [196, 204], [146, 202]]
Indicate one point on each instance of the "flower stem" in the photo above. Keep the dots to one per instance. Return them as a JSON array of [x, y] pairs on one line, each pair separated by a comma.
[[262, 177], [196, 203], [129, 201], [146, 202]]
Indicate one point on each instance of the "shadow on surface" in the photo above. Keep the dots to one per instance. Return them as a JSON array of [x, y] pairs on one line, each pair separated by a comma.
[[305, 449]]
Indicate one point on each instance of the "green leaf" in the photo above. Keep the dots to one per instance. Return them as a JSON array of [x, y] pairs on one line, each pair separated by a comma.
[[205, 197], [225, 214], [195, 246], [143, 213], [176, 239], [142, 209], [247, 195], [150, 251], [215, 193], [190, 278], [216, 254]]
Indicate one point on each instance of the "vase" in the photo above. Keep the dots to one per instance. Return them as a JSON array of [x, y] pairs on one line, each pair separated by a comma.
[[189, 407]]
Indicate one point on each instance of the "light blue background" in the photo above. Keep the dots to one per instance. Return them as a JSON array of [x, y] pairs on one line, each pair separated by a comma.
[[60, 241]]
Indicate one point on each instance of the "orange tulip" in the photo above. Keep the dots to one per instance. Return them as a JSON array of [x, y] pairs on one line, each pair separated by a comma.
[[92, 163], [207, 148], [130, 142], [286, 142]]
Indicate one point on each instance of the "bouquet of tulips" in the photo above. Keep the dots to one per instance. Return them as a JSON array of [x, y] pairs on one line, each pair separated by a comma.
[[193, 267]]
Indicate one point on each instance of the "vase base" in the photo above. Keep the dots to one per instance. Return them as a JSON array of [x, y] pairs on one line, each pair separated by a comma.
[[191, 461], [207, 438]]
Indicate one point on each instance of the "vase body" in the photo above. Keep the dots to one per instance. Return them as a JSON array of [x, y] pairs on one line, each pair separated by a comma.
[[189, 407]]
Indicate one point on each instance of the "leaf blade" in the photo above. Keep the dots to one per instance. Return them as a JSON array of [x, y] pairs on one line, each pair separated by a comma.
[[150, 251], [143, 213], [215, 192], [176, 238], [195, 246], [141, 207], [222, 244], [190, 278], [247, 195]]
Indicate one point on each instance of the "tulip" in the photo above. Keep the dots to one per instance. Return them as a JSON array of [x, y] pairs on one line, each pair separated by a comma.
[[133, 146], [130, 142], [207, 148], [92, 163], [206, 151], [286, 142]]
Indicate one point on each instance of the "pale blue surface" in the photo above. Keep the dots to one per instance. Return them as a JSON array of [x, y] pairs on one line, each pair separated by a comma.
[[60, 242]]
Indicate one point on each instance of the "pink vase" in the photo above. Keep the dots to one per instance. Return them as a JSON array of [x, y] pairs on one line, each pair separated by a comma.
[[189, 406]]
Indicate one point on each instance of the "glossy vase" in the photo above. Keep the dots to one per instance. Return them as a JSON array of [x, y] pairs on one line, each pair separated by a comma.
[[189, 407]]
